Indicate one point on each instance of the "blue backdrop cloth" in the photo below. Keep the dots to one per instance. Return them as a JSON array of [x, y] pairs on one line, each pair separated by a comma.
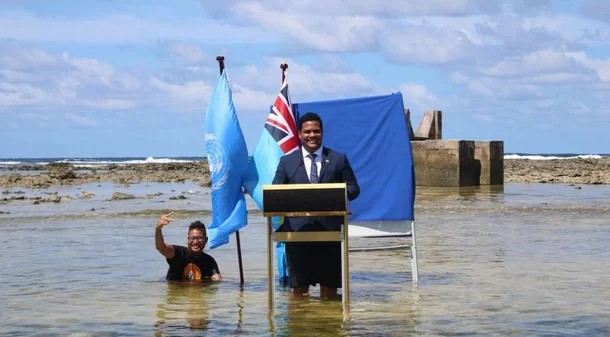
[[373, 132]]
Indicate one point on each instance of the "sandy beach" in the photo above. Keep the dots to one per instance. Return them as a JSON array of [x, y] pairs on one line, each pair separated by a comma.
[[565, 171]]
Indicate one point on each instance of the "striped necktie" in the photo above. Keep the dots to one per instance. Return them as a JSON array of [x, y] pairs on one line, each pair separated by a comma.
[[313, 172]]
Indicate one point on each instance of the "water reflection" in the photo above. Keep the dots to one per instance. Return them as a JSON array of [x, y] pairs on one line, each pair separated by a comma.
[[309, 317], [472, 193], [186, 307]]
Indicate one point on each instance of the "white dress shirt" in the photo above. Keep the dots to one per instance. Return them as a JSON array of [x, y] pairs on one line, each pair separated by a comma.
[[307, 160]]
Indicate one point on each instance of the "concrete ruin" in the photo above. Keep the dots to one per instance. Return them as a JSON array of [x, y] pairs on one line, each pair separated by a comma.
[[453, 163]]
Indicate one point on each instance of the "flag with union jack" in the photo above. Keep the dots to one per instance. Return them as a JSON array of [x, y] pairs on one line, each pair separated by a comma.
[[277, 139], [281, 123]]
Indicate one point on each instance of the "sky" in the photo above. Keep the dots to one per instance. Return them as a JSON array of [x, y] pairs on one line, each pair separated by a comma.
[[121, 78]]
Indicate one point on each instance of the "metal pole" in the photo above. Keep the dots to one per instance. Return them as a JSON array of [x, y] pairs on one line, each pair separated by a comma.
[[283, 66], [239, 260], [221, 63], [221, 67]]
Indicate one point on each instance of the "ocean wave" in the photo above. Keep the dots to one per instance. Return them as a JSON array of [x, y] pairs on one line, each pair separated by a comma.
[[96, 162]]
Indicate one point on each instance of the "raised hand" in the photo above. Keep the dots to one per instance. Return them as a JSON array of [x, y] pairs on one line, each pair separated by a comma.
[[164, 220]]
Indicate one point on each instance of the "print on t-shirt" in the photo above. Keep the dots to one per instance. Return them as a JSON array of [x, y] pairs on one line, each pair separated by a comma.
[[191, 272]]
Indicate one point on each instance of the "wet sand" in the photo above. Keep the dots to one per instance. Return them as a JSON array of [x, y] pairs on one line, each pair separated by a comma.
[[565, 171]]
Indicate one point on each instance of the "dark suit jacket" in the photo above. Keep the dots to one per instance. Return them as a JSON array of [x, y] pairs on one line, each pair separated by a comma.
[[335, 169]]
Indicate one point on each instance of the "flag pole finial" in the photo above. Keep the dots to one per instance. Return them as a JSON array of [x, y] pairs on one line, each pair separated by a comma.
[[221, 63], [284, 66]]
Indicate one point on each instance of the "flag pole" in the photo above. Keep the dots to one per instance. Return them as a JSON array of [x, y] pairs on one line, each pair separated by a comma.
[[284, 66], [221, 66]]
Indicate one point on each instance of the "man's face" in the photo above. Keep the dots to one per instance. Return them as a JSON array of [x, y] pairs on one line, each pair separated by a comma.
[[311, 136], [196, 241]]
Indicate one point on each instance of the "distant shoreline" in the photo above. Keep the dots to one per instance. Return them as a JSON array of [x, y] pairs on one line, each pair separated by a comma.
[[567, 171], [44, 176]]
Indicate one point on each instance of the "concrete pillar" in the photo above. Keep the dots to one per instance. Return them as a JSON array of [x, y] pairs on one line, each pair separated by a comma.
[[444, 162], [430, 126], [490, 155]]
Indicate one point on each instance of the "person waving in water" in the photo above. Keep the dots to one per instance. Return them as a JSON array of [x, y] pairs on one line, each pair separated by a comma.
[[187, 263]]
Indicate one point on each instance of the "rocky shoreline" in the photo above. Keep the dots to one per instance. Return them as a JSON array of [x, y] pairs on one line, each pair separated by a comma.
[[566, 171], [590, 171], [44, 176]]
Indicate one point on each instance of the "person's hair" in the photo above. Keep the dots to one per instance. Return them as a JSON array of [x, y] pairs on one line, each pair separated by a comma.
[[310, 117], [200, 226]]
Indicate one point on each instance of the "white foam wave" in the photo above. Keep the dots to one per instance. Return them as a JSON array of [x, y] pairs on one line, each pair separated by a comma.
[[92, 162], [549, 157]]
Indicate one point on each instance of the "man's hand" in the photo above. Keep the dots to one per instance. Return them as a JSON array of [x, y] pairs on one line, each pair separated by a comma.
[[164, 249], [164, 220]]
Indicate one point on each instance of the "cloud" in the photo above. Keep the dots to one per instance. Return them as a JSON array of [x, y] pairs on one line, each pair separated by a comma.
[[39, 79], [419, 99], [185, 96], [313, 84], [17, 94], [322, 33], [598, 9], [34, 77], [306, 81], [601, 67], [486, 61], [539, 63], [427, 44], [391, 8], [185, 52], [120, 28], [80, 120]]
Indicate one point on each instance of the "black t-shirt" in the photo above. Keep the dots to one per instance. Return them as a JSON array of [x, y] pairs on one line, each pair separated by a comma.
[[186, 266]]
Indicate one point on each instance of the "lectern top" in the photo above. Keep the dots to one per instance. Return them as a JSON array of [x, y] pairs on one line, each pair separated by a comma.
[[305, 199], [305, 186]]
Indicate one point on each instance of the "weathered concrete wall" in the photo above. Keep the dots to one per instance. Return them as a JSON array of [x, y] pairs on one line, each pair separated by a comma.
[[453, 163], [490, 155], [443, 162]]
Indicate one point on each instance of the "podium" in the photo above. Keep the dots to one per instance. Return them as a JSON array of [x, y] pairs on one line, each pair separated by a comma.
[[307, 200]]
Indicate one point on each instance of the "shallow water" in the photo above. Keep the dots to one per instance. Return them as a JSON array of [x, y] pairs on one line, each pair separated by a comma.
[[524, 260]]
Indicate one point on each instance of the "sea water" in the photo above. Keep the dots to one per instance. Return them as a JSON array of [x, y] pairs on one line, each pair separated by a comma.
[[517, 260]]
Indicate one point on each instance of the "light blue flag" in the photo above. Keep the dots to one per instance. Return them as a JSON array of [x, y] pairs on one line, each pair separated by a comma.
[[262, 167], [279, 137], [261, 171], [227, 156]]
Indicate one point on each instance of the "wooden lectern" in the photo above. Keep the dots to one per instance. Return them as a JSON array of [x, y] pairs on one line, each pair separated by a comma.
[[307, 200]]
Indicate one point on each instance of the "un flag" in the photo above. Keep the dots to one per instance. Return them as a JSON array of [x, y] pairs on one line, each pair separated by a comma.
[[227, 157]]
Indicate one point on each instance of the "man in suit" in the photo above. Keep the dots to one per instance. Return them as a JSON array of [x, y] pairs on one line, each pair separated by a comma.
[[310, 263]]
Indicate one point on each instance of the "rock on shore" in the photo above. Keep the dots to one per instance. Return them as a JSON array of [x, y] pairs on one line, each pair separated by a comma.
[[66, 174], [569, 171]]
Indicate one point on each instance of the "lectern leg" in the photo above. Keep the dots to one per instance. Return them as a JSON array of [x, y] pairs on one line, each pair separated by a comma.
[[414, 266], [345, 271], [270, 277]]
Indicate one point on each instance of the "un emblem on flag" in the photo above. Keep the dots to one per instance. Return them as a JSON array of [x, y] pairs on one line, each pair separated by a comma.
[[219, 172]]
